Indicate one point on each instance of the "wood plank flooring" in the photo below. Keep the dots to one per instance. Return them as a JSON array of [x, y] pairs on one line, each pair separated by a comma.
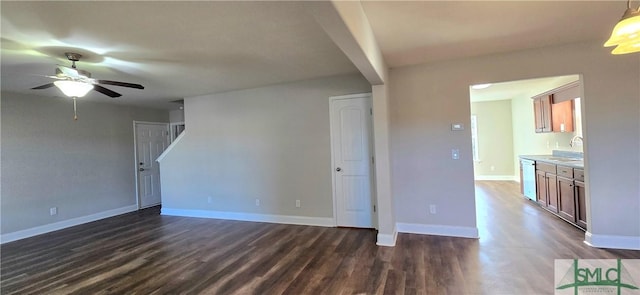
[[145, 253]]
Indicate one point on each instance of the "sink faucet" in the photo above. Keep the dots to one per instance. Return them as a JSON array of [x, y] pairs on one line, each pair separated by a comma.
[[574, 139]]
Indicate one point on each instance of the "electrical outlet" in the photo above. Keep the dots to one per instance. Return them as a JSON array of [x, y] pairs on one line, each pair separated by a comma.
[[257, 202], [432, 209], [209, 200], [53, 211], [297, 203], [493, 168]]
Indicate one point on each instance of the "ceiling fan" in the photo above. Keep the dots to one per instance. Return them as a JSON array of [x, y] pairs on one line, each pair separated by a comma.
[[73, 74], [75, 83]]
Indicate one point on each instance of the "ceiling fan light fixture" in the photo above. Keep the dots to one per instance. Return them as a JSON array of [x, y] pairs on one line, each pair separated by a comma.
[[626, 34], [73, 88]]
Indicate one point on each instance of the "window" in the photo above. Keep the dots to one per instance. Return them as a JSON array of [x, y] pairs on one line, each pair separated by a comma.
[[474, 137]]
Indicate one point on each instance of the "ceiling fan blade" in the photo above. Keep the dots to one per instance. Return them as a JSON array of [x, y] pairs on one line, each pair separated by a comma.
[[122, 84], [51, 77], [71, 72], [45, 86], [106, 91]]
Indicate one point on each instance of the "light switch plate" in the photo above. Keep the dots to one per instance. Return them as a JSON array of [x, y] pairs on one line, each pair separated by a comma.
[[457, 126]]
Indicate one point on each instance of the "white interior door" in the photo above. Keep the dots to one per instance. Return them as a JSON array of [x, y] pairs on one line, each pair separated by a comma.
[[151, 140], [352, 161]]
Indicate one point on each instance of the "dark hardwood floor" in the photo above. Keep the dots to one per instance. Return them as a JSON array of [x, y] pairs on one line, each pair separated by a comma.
[[145, 253]]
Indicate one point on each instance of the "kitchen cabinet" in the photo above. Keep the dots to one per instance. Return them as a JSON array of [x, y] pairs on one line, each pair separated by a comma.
[[553, 110], [541, 188], [566, 195], [580, 197], [552, 193], [546, 187], [542, 113], [560, 190], [566, 199], [581, 204], [567, 92], [562, 116]]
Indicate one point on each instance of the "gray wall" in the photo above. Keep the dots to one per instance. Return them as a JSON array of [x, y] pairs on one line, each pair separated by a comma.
[[426, 99], [270, 143], [176, 116], [48, 160]]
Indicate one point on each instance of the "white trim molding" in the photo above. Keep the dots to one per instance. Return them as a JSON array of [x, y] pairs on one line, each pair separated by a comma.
[[171, 145], [612, 242], [498, 177], [43, 229], [439, 230], [387, 240], [255, 217]]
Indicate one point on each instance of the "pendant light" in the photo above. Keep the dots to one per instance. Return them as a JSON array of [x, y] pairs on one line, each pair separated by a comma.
[[626, 34]]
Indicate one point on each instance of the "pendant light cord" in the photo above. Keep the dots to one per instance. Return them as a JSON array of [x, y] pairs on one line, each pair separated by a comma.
[[75, 110]]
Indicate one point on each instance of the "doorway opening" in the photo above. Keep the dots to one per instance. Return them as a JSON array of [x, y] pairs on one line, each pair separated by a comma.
[[534, 117]]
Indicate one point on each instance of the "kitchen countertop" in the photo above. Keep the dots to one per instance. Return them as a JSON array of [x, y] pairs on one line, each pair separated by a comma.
[[556, 160]]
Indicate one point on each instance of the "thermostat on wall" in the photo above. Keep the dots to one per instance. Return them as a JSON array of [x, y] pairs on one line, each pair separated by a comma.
[[457, 127]]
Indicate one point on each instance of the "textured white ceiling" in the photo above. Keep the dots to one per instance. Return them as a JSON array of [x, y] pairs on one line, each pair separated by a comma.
[[413, 32], [183, 49], [174, 49]]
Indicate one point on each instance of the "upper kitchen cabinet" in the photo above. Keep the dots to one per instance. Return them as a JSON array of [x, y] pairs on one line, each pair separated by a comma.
[[562, 116], [542, 112], [553, 110]]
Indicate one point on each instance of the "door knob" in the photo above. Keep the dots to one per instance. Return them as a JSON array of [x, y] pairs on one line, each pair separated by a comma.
[[338, 169], [141, 169]]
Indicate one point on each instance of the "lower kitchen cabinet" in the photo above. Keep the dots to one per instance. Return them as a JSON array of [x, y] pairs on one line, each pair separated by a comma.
[[566, 199], [560, 189], [581, 204], [552, 193], [541, 188], [546, 187]]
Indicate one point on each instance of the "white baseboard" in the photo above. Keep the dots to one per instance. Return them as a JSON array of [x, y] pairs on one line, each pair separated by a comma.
[[498, 177], [387, 240], [285, 219], [439, 230], [612, 242], [38, 230]]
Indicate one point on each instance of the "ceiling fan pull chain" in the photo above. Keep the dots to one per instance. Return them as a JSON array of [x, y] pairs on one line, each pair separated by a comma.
[[75, 110]]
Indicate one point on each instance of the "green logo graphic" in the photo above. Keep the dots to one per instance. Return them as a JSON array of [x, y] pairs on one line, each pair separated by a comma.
[[598, 278]]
